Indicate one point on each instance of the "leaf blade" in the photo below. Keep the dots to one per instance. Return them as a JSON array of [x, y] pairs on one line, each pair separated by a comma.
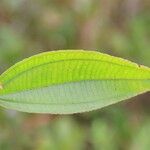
[[71, 67]]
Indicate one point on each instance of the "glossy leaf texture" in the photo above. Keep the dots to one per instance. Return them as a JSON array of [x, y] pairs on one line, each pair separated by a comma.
[[71, 81]]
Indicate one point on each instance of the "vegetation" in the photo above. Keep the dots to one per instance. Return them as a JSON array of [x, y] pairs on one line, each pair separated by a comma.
[[117, 27], [73, 81]]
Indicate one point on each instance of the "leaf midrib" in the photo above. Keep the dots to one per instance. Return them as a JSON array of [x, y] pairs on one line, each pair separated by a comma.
[[26, 90]]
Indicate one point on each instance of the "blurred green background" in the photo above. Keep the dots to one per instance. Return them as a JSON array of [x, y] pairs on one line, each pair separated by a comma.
[[117, 27]]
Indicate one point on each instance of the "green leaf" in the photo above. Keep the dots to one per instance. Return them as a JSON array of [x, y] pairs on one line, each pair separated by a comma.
[[71, 81]]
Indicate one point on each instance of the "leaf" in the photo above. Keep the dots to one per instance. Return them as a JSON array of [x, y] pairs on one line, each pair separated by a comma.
[[71, 81]]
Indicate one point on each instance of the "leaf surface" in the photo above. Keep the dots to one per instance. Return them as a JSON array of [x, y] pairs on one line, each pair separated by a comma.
[[71, 81]]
